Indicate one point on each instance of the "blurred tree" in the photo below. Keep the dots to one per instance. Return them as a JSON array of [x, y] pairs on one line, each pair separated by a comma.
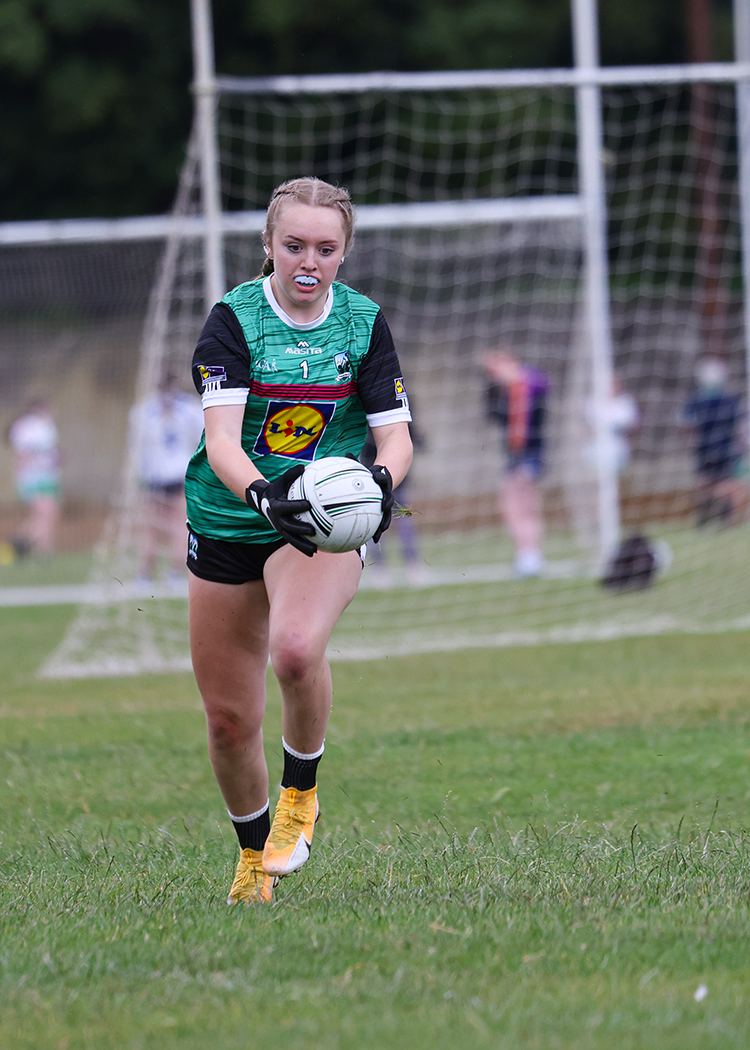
[[95, 105], [646, 32], [709, 190], [342, 36]]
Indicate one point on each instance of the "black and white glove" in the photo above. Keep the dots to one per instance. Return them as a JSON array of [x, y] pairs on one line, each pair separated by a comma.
[[270, 500], [383, 477]]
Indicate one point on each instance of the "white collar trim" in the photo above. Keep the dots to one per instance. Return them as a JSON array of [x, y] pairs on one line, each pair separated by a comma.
[[284, 316]]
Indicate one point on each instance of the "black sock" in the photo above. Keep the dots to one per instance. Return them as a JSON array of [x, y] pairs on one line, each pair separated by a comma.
[[300, 773], [254, 832]]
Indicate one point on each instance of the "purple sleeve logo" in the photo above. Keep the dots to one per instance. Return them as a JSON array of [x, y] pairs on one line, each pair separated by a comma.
[[213, 376]]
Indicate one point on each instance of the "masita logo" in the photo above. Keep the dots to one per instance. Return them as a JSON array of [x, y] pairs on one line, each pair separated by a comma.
[[293, 430], [304, 348]]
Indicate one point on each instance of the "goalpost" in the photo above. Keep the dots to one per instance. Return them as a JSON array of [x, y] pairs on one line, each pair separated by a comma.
[[557, 213]]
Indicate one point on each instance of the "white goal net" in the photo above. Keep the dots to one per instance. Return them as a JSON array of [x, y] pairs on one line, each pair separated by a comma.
[[471, 237]]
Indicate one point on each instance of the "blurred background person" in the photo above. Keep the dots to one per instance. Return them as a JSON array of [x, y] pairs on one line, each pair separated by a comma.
[[34, 440], [516, 399], [166, 429], [620, 416], [602, 430], [403, 528], [714, 417]]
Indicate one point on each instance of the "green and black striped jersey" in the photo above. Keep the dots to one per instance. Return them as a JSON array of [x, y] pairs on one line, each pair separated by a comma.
[[309, 391]]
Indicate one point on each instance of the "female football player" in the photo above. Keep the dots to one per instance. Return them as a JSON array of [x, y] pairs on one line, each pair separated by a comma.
[[291, 367], [517, 400]]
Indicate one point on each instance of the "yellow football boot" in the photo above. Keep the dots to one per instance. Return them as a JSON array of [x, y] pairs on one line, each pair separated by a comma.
[[288, 845], [251, 883]]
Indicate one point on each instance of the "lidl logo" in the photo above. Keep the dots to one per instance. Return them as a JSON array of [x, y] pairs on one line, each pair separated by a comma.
[[293, 430]]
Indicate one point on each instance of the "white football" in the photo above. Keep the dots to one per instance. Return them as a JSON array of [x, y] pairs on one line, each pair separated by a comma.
[[346, 503]]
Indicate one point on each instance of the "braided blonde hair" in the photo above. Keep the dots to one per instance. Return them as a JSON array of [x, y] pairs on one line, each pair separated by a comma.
[[313, 192]]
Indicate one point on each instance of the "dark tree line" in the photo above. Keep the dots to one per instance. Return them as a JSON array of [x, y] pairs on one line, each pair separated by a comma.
[[95, 103]]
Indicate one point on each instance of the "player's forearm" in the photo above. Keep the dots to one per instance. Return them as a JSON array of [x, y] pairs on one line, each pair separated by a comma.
[[231, 464], [394, 450]]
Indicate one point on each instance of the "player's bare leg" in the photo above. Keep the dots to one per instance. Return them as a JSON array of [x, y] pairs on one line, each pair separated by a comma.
[[230, 667], [307, 596], [42, 525], [521, 509]]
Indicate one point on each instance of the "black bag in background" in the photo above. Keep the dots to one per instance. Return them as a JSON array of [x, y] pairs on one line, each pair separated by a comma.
[[632, 567]]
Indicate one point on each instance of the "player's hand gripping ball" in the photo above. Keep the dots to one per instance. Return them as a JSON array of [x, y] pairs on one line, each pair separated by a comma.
[[272, 500], [346, 503]]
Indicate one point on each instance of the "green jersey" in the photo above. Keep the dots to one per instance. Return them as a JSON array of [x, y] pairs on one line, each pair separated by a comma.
[[309, 391]]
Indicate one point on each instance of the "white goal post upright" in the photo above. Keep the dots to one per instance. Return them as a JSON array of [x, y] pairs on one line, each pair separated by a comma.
[[741, 10], [204, 89], [596, 295]]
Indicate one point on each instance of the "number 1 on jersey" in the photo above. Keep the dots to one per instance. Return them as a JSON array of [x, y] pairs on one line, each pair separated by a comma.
[[305, 369]]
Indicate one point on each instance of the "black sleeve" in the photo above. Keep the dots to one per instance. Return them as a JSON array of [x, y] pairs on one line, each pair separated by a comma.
[[379, 380], [222, 357]]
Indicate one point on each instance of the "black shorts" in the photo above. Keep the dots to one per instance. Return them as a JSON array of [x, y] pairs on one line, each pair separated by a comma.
[[222, 561]]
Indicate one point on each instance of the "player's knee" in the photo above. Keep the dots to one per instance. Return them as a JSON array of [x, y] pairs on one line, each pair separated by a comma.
[[293, 658], [229, 730]]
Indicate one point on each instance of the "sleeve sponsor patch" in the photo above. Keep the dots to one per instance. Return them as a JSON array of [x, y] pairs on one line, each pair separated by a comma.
[[400, 390], [213, 376]]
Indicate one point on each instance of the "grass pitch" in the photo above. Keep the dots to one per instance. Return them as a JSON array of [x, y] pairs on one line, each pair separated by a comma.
[[542, 847]]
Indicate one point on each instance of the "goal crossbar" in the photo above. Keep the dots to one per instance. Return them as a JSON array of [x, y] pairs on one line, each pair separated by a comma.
[[459, 80], [369, 217]]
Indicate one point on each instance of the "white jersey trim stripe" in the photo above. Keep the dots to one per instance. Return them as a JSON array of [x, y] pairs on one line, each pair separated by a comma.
[[233, 396], [394, 415]]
